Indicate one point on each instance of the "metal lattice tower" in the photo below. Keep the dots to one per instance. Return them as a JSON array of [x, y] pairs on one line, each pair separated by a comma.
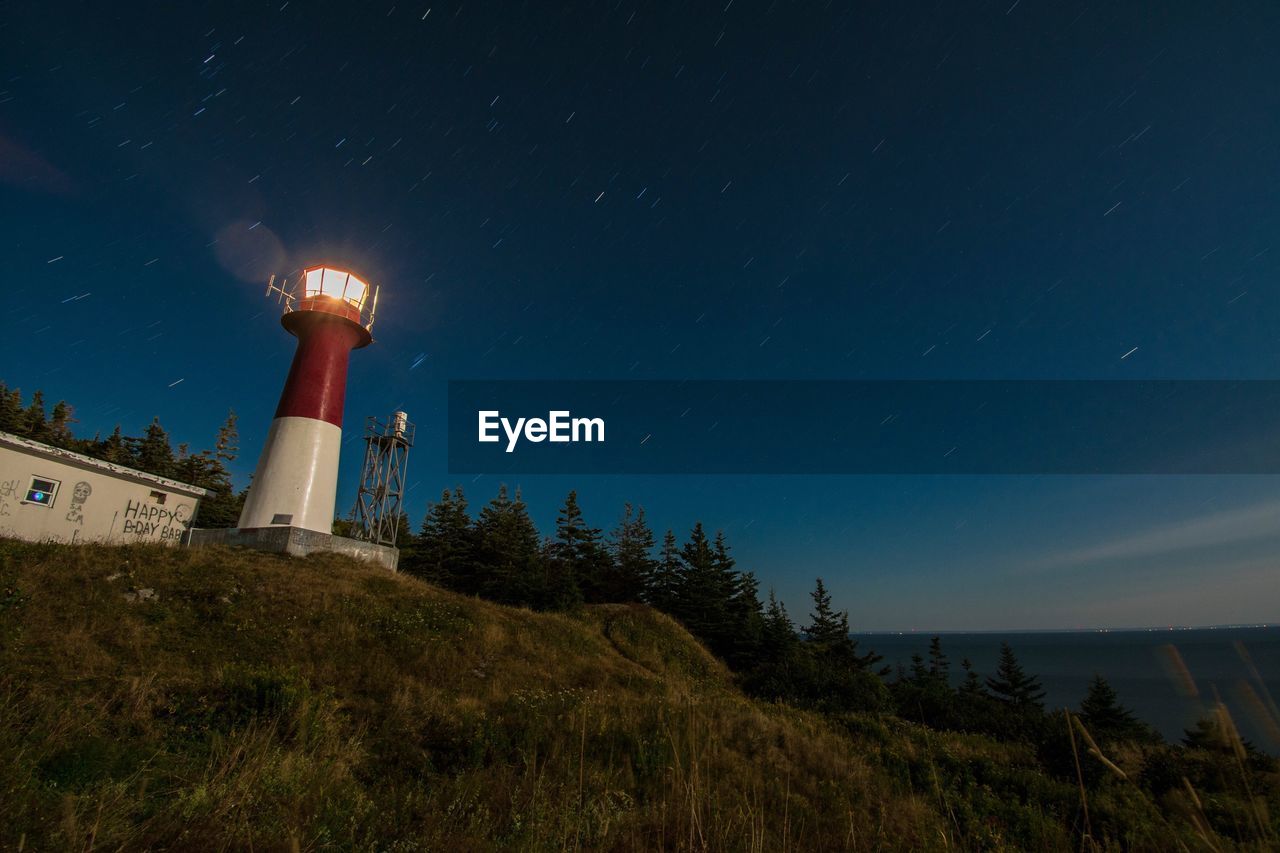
[[386, 463]]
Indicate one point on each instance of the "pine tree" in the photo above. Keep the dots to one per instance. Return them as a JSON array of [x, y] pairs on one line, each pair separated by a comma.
[[781, 670], [631, 549], [514, 567], [828, 630], [778, 637], [703, 592], [665, 586], [741, 644], [152, 453], [843, 680], [1013, 686], [505, 548], [10, 409], [60, 421], [446, 550], [1216, 733], [223, 508], [113, 449], [919, 674], [974, 710], [405, 539], [227, 446], [198, 469], [34, 424], [972, 684], [578, 549], [939, 666], [1106, 718]]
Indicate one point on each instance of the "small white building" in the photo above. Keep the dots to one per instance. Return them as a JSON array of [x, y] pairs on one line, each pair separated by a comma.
[[52, 495]]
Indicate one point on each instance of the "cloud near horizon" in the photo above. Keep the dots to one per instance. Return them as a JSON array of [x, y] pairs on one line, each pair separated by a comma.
[[1241, 524]]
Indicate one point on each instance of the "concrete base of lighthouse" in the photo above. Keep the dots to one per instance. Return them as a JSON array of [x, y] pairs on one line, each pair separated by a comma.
[[296, 542]]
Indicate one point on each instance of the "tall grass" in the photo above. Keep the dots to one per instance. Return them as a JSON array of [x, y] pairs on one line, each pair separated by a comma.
[[264, 703]]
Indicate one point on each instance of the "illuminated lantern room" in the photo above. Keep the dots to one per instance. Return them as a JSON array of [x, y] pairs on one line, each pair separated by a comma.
[[327, 290]]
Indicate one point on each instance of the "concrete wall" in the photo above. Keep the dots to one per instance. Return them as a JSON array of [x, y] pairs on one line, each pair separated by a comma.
[[296, 542], [94, 501]]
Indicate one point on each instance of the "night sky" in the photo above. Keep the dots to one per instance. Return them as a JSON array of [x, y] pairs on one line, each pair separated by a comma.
[[741, 191]]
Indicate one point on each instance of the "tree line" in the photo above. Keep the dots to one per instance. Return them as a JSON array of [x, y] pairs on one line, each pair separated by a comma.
[[501, 556], [819, 664], [151, 452]]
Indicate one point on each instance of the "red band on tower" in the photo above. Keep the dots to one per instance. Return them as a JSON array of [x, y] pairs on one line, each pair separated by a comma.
[[317, 382]]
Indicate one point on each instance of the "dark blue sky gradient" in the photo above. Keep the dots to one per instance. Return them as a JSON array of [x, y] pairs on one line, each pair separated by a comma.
[[999, 190]]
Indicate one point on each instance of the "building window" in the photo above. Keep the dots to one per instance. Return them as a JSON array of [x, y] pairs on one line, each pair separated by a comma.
[[159, 497], [282, 518], [42, 491]]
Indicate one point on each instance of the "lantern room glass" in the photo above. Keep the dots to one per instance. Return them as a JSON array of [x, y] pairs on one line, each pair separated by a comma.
[[324, 281]]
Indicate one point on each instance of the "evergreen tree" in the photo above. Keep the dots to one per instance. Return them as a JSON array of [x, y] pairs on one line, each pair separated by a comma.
[[223, 508], [939, 666], [59, 429], [631, 549], [665, 587], [10, 410], [446, 552], [198, 469], [1215, 732], [972, 684], [514, 566], [1013, 686], [581, 556], [1205, 734], [825, 625], [204, 469], [782, 670], [34, 424], [744, 622], [227, 446], [1106, 718], [828, 631], [778, 639], [919, 674], [404, 532], [114, 449], [843, 681], [1217, 735], [925, 695], [507, 547], [152, 453], [703, 592]]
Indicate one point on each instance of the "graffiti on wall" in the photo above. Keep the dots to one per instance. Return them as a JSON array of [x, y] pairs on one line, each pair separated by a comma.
[[155, 522], [8, 491], [79, 495]]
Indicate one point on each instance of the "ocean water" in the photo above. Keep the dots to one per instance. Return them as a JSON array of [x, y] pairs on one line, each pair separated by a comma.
[[1138, 665]]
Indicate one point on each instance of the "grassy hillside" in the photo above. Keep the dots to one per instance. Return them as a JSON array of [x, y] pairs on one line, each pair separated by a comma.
[[219, 699]]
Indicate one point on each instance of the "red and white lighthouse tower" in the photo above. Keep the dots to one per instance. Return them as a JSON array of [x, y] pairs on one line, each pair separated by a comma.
[[330, 312]]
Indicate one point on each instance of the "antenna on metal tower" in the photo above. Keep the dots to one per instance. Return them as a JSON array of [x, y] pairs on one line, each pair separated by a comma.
[[386, 463]]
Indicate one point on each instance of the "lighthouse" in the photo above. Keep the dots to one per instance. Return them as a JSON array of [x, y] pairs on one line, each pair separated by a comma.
[[295, 484]]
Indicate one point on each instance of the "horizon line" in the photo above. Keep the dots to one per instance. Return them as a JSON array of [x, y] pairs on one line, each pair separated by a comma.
[[1098, 630]]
